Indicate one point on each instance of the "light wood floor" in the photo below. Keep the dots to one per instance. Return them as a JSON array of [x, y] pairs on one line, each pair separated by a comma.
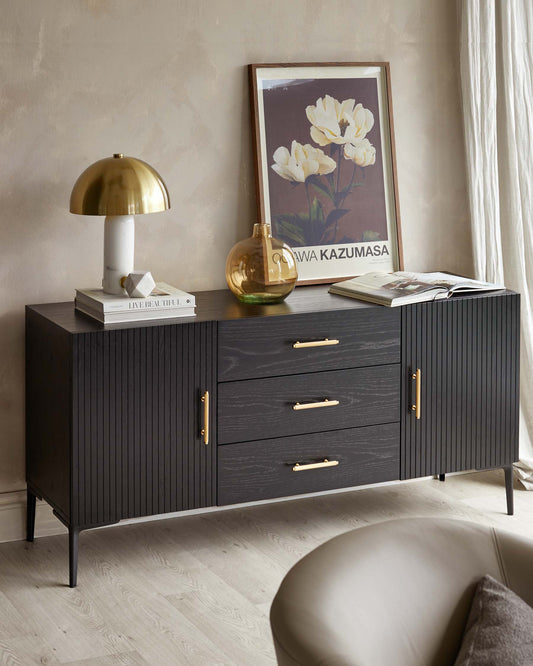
[[196, 590]]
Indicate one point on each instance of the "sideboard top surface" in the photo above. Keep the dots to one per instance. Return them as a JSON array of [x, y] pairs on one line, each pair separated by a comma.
[[218, 305]]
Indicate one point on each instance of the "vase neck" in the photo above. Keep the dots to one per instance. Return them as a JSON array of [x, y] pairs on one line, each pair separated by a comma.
[[262, 231]]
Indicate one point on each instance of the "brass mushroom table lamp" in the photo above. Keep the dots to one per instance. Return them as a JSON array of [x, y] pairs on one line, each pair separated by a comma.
[[118, 187]]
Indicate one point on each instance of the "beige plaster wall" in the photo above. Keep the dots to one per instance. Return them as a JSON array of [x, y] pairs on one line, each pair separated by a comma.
[[165, 80]]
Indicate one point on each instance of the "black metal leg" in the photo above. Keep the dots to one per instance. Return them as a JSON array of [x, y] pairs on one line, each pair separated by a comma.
[[73, 540], [509, 489], [30, 516], [442, 477]]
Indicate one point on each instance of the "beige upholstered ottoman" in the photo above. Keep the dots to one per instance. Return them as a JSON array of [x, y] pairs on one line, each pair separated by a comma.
[[396, 593]]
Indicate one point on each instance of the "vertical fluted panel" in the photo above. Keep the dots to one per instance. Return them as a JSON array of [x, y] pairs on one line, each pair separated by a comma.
[[468, 352], [137, 448]]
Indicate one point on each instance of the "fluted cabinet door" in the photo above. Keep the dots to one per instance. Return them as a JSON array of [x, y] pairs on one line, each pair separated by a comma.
[[137, 416], [467, 351]]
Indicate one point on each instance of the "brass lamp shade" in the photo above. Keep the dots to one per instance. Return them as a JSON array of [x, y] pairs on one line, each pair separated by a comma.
[[119, 185]]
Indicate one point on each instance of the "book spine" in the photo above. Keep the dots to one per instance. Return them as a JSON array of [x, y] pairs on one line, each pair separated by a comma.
[[124, 318], [142, 304], [143, 315], [138, 304]]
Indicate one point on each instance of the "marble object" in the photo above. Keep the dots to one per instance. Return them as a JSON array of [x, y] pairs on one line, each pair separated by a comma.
[[139, 284], [119, 241]]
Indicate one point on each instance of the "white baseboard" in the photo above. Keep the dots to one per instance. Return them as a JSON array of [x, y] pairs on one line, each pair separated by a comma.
[[13, 518]]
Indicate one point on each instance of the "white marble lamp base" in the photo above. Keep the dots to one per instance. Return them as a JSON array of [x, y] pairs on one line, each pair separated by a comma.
[[119, 246]]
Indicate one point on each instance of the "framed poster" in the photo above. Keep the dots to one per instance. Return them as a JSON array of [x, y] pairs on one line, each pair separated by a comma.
[[325, 166]]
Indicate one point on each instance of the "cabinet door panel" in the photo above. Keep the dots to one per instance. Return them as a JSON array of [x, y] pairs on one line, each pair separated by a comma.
[[468, 352], [137, 418]]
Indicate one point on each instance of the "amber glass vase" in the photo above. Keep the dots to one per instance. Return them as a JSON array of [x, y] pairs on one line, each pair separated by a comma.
[[261, 269]]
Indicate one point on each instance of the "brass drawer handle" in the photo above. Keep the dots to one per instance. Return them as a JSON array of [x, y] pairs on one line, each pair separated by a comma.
[[417, 377], [326, 342], [325, 463], [314, 405], [205, 430]]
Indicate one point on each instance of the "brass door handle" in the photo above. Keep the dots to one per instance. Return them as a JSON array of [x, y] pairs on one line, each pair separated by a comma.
[[205, 430], [314, 405], [297, 467], [417, 377], [326, 342]]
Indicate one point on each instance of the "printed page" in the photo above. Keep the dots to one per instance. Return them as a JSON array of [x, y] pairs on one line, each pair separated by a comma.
[[392, 284], [450, 282]]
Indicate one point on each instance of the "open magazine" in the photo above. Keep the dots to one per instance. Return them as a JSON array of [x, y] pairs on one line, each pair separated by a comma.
[[402, 288]]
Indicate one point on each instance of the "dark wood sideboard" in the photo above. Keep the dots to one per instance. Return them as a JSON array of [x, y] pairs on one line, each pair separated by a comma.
[[245, 403]]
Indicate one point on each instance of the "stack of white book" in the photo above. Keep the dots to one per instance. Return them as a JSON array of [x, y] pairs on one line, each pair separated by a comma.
[[165, 302]]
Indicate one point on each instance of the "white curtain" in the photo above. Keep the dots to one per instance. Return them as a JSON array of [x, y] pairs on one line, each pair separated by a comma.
[[497, 90]]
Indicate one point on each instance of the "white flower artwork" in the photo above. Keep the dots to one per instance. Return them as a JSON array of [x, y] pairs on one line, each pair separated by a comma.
[[362, 152], [325, 165], [336, 124], [301, 162]]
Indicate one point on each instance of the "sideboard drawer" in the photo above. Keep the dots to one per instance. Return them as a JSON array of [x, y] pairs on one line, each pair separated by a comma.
[[252, 471], [311, 402], [261, 347]]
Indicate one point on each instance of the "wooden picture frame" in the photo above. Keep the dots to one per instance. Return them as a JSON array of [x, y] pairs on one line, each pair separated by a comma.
[[325, 165]]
